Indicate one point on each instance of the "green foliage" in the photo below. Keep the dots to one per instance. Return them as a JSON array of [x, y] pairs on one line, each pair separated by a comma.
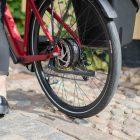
[[19, 16], [95, 61]]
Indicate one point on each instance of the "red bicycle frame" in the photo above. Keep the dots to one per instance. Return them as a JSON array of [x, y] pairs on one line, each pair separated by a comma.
[[19, 46]]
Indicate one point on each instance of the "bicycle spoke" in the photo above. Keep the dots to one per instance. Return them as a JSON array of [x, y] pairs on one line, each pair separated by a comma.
[[77, 20], [87, 18], [64, 17], [82, 89]]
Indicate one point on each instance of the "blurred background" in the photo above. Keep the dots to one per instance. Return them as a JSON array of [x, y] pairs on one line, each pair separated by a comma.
[[130, 52]]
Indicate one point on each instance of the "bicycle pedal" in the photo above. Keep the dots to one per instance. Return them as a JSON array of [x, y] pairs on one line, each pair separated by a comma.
[[30, 68]]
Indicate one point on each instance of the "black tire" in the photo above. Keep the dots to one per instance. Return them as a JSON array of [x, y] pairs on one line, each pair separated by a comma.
[[112, 82]]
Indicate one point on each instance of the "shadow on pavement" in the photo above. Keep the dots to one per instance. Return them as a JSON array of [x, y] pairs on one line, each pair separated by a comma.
[[28, 101]]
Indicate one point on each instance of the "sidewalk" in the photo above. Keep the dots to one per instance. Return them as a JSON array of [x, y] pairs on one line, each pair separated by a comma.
[[33, 117]]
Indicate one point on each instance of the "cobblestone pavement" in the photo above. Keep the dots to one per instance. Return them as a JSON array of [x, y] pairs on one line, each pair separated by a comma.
[[33, 117]]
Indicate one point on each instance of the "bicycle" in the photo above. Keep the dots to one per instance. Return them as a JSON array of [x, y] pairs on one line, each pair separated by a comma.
[[74, 49]]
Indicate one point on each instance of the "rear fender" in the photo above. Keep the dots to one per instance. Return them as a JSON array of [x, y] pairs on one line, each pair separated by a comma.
[[107, 9]]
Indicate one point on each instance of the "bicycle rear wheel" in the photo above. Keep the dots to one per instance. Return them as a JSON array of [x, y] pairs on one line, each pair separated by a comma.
[[83, 79]]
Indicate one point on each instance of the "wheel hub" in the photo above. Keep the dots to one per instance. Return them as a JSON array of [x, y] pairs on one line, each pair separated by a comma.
[[70, 52]]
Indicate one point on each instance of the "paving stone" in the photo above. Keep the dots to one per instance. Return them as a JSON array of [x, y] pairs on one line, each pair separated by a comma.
[[130, 93], [120, 96], [137, 117], [135, 80], [117, 112], [128, 111], [12, 137], [130, 104], [127, 84], [25, 125], [82, 122], [137, 112], [102, 127], [59, 136], [3, 132], [137, 87], [132, 128], [114, 125], [96, 119], [24, 103], [121, 135], [104, 114], [118, 119], [137, 99], [78, 131]]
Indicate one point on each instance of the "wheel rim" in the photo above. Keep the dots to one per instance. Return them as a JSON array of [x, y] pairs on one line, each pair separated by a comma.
[[84, 89]]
